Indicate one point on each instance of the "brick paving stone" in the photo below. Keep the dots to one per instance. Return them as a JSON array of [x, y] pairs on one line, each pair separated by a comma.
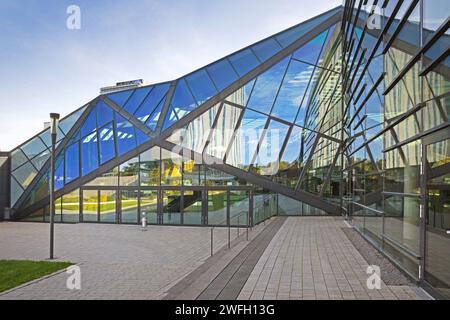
[[306, 258], [314, 257], [116, 261]]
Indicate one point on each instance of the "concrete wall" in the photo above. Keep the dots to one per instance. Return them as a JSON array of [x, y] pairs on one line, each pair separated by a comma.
[[4, 183]]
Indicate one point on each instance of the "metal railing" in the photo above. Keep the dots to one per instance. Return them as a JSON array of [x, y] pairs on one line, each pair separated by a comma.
[[241, 213]]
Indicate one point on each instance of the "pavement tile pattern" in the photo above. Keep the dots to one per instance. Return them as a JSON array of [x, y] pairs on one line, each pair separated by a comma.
[[311, 258], [116, 261], [288, 258]]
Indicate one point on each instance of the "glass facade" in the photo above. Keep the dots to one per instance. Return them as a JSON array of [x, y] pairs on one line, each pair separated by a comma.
[[327, 117], [396, 80]]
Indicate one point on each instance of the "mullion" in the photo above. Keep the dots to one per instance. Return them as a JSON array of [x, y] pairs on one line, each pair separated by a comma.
[[400, 26], [280, 85], [300, 178], [311, 77], [357, 51], [330, 171], [329, 104], [261, 139], [143, 100], [166, 106], [156, 107], [213, 126], [285, 142], [437, 101], [363, 103]]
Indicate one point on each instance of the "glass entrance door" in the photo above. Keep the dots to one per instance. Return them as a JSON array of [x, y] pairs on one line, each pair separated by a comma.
[[437, 219]]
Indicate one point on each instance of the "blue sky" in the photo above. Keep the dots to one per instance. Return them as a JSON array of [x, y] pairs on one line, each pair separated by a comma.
[[46, 67]]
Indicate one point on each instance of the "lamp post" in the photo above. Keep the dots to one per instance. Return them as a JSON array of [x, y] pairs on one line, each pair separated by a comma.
[[54, 121]]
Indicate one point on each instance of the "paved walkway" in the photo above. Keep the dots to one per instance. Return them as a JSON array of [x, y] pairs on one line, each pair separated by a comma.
[[289, 258], [311, 258], [117, 261]]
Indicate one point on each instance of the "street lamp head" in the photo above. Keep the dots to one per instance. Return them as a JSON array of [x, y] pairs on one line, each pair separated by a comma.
[[54, 121]]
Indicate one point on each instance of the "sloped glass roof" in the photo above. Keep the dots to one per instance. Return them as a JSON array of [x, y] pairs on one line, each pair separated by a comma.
[[271, 99]]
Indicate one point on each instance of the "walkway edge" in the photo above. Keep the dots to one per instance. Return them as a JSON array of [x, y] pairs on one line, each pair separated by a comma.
[[26, 284], [194, 283]]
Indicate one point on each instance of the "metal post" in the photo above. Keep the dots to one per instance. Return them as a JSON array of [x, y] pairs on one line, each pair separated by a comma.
[[238, 228], [248, 222], [52, 194], [212, 241], [54, 125], [229, 236]]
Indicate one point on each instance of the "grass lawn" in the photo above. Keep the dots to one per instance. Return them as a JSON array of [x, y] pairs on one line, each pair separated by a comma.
[[16, 272]]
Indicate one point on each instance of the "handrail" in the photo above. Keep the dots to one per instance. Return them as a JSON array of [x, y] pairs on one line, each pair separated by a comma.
[[229, 229]]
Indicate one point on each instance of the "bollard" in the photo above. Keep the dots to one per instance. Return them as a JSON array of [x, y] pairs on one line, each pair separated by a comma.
[[144, 221]]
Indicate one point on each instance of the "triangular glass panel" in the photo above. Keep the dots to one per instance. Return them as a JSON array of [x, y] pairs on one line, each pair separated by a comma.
[[171, 118], [41, 159], [140, 137], [222, 74], [125, 135], [291, 35], [266, 162], [136, 99], [39, 192], [67, 123], [294, 157], [151, 102], [33, 147], [266, 87], [310, 52], [201, 86], [16, 191], [104, 113], [195, 134], [292, 91], [152, 121], [224, 130], [244, 61], [121, 97], [266, 49], [302, 114], [328, 44], [89, 153], [246, 140], [182, 98], [106, 143], [241, 95], [90, 124], [17, 159], [25, 174], [47, 139]]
